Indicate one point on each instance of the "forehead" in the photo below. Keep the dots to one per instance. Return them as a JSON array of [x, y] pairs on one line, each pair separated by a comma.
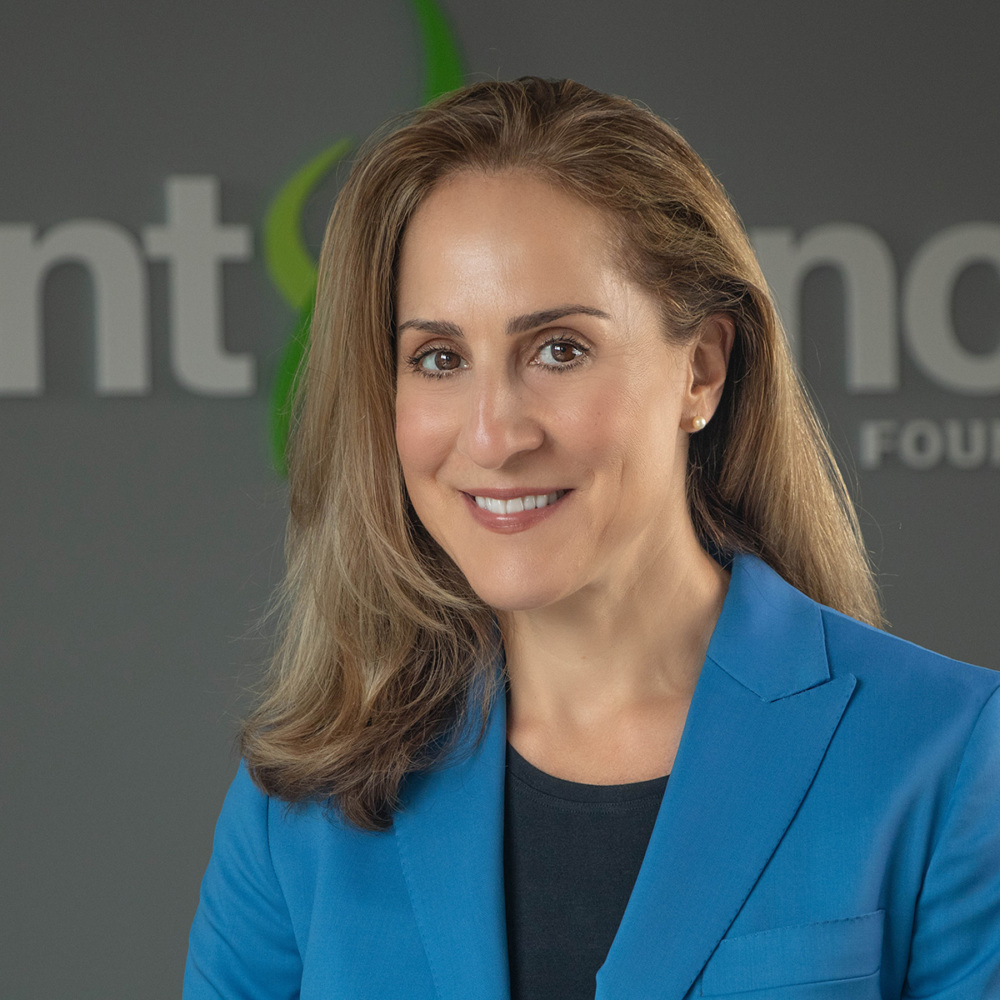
[[513, 234]]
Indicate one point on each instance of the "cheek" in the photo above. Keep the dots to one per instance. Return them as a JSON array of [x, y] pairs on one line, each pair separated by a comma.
[[630, 431], [611, 418], [423, 435]]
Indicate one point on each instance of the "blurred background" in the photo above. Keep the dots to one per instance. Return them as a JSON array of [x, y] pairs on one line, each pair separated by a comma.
[[165, 171]]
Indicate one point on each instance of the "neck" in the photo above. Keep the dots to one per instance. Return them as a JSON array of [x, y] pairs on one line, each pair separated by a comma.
[[600, 684]]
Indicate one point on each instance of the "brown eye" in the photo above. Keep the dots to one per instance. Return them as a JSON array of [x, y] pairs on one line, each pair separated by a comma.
[[559, 352], [441, 361]]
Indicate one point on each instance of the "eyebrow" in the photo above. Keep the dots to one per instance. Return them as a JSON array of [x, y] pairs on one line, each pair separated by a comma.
[[519, 324]]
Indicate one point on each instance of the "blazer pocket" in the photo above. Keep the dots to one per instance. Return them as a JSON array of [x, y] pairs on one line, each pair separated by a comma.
[[794, 956]]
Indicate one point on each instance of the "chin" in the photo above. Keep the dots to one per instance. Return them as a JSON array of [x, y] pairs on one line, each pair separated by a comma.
[[514, 604], [512, 595]]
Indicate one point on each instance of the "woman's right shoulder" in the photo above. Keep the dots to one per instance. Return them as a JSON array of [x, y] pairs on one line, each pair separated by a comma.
[[255, 840], [251, 819], [246, 814], [287, 838], [272, 862]]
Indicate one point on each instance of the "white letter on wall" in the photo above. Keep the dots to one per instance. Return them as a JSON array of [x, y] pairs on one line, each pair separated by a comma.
[[195, 244], [869, 275], [878, 439], [927, 308], [121, 323]]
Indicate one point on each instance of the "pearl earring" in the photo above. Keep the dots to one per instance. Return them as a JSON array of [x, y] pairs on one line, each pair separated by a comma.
[[699, 423]]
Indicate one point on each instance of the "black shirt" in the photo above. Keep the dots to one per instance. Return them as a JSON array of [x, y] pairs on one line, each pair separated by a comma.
[[571, 855]]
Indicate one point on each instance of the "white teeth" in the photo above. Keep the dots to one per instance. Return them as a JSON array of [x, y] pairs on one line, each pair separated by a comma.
[[518, 504]]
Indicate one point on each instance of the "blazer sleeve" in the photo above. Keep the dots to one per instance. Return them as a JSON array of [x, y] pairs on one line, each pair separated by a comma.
[[242, 943], [955, 953]]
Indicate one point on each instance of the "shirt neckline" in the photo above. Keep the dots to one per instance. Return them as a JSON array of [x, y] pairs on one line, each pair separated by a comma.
[[576, 791]]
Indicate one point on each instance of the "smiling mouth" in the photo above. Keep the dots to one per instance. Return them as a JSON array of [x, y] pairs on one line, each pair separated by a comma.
[[518, 504]]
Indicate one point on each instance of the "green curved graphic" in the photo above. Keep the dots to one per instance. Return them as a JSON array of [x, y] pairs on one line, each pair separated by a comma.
[[288, 261], [293, 272], [442, 63]]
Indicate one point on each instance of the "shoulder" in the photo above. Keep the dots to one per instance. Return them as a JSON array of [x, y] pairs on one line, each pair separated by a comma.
[[242, 855], [272, 865], [903, 671], [923, 731], [285, 845], [242, 933], [817, 643], [777, 641], [916, 716], [279, 836]]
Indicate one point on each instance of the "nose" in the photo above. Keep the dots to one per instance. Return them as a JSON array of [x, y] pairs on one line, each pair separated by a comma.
[[500, 422]]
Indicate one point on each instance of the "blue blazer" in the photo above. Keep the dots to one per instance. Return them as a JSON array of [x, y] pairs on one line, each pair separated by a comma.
[[831, 829]]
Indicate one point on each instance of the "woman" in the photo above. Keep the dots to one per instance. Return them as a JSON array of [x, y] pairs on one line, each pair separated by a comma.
[[559, 500]]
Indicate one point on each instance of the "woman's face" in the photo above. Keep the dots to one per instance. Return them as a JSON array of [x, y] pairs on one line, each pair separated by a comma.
[[541, 414]]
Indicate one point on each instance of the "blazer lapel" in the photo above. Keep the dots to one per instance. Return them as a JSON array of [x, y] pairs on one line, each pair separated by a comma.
[[450, 837], [760, 721]]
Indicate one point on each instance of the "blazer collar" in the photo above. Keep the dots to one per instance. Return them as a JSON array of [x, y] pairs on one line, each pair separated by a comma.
[[763, 713], [769, 636], [450, 837]]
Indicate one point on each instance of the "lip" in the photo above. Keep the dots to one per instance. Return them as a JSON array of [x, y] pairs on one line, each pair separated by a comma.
[[508, 493], [507, 524]]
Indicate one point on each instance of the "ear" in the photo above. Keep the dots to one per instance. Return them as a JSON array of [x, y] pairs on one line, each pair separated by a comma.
[[709, 359]]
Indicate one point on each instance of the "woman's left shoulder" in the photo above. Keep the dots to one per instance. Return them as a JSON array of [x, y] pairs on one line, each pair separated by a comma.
[[902, 672]]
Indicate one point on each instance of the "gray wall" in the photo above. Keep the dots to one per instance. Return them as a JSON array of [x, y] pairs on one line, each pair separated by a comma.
[[142, 526]]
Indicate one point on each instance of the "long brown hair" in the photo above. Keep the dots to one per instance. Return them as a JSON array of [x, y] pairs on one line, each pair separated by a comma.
[[385, 647]]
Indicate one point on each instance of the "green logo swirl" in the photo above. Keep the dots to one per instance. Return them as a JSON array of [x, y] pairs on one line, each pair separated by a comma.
[[289, 264]]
